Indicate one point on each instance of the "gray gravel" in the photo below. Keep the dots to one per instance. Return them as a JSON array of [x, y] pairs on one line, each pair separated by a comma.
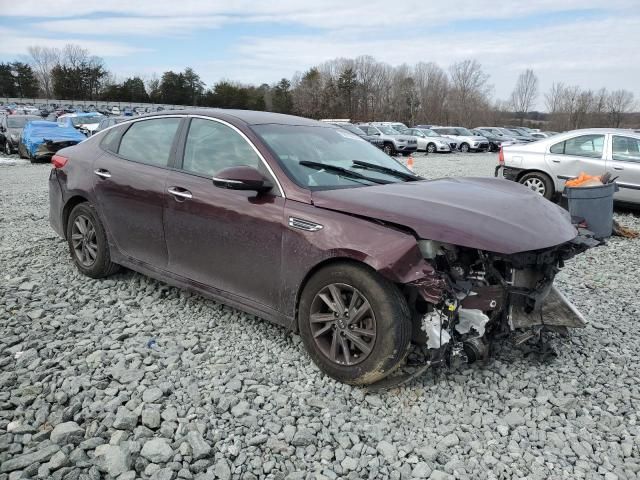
[[129, 378]]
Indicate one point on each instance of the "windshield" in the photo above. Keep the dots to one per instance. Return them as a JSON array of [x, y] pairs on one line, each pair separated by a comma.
[[429, 133], [387, 130], [352, 129], [77, 121], [19, 121], [464, 131], [326, 145]]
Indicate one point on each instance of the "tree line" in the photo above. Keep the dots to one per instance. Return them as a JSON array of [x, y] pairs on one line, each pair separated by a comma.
[[361, 88]]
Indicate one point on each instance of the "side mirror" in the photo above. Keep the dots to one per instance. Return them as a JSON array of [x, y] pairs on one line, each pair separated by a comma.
[[242, 178]]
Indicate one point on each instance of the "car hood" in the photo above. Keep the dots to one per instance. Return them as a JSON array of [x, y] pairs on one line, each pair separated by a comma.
[[485, 213]]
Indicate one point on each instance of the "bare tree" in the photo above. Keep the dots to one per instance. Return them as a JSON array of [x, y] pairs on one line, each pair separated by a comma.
[[43, 59], [619, 103], [524, 94], [469, 91], [553, 98]]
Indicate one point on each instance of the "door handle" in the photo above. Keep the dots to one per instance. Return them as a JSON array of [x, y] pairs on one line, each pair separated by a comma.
[[618, 167], [180, 192], [102, 173], [555, 160]]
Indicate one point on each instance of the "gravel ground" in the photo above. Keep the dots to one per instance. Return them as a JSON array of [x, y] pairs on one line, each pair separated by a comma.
[[129, 378]]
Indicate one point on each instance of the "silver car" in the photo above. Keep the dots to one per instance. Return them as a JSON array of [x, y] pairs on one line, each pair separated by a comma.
[[431, 142], [546, 164], [468, 141]]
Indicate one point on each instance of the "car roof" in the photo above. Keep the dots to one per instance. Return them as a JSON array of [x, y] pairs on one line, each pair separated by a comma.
[[249, 117]]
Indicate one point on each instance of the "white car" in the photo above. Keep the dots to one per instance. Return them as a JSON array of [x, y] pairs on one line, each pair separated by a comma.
[[468, 141], [546, 164], [115, 110], [85, 122], [431, 142]]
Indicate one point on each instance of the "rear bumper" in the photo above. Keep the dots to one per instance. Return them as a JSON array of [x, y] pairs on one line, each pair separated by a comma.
[[510, 173], [55, 203]]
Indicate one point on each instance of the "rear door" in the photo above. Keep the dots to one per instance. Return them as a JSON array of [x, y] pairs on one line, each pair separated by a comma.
[[624, 163], [582, 153], [130, 186], [230, 240]]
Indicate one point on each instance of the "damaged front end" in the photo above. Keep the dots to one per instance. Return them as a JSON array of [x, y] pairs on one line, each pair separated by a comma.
[[48, 148], [472, 296]]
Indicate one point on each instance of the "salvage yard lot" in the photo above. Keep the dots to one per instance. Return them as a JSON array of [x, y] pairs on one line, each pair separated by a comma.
[[237, 397]]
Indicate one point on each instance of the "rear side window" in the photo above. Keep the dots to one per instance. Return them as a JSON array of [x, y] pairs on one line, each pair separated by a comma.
[[582, 146], [109, 139], [626, 149], [149, 141]]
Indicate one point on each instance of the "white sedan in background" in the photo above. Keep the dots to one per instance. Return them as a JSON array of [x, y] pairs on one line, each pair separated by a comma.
[[546, 164]]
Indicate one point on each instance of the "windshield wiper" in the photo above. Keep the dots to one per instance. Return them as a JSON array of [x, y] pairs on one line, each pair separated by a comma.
[[340, 170], [379, 168]]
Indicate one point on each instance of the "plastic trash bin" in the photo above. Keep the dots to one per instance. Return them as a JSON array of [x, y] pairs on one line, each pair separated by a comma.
[[595, 205]]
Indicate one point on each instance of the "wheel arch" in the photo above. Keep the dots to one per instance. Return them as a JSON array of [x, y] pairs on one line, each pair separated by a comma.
[[319, 266], [68, 206]]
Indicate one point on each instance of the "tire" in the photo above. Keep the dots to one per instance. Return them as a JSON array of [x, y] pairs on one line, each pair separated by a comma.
[[538, 182], [21, 152], [98, 265], [7, 148], [389, 149], [464, 147], [387, 316], [431, 148]]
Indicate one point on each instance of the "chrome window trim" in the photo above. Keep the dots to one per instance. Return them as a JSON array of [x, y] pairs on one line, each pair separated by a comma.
[[239, 132]]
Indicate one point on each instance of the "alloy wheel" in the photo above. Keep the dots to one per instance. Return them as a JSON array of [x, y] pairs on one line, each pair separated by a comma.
[[7, 148], [431, 148], [343, 324], [387, 149], [464, 147], [83, 238], [535, 184]]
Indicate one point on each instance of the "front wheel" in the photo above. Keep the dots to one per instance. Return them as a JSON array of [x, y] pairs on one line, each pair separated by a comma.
[[7, 148], [464, 147], [354, 323], [389, 149], [88, 242], [538, 182], [431, 148]]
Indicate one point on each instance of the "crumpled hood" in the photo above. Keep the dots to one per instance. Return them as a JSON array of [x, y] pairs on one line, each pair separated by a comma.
[[485, 213]]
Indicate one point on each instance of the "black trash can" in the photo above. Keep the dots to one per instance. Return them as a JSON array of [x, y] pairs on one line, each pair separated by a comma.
[[595, 205]]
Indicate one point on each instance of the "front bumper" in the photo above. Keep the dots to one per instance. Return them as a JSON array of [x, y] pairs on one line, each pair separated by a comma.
[[406, 148], [48, 149]]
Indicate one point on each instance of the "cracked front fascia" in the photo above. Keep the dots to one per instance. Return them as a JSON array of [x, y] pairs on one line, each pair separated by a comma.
[[412, 269]]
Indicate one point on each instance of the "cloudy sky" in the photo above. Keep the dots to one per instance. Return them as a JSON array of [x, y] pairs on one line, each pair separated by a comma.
[[591, 43]]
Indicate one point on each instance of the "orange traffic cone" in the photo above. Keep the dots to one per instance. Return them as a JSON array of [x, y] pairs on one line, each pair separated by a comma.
[[410, 163]]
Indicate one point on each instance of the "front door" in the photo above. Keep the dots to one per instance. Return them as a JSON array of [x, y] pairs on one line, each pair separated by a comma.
[[230, 240], [625, 164], [130, 188]]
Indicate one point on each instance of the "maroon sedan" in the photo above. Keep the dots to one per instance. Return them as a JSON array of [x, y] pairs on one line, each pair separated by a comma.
[[313, 228]]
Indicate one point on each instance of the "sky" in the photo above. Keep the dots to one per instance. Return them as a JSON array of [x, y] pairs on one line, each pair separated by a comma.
[[591, 43]]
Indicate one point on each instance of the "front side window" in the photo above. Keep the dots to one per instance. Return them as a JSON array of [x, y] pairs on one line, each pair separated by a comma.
[[583, 146], [149, 141], [212, 146], [626, 149]]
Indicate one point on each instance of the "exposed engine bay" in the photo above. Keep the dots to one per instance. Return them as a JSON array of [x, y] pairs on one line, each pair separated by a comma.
[[476, 296]]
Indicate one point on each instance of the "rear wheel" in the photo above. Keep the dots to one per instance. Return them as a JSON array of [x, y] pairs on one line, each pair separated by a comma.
[[7, 147], [538, 182], [389, 149], [431, 148], [354, 323], [464, 147], [88, 242]]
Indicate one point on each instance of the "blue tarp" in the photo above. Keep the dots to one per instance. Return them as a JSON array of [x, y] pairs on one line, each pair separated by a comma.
[[37, 132]]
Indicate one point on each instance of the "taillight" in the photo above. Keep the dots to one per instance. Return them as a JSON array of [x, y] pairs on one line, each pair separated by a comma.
[[58, 161], [500, 156]]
